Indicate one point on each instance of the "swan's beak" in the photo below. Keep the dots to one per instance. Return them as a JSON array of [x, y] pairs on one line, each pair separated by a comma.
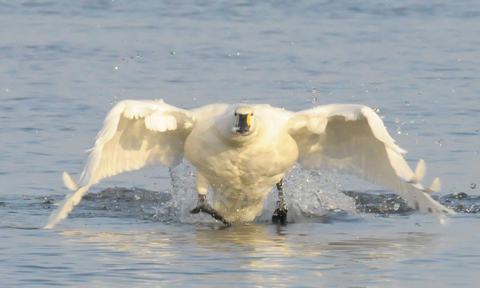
[[243, 123]]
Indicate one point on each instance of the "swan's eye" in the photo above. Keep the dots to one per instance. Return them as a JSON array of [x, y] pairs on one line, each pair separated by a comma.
[[235, 113]]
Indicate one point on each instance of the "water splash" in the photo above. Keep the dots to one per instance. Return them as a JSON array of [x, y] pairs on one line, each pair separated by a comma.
[[384, 204], [310, 197], [461, 202], [379, 203]]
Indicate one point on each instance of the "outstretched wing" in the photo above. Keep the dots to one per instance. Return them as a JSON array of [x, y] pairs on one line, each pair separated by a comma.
[[135, 134], [352, 139]]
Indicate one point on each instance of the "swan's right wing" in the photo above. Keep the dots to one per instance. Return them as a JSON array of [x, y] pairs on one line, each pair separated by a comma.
[[135, 134]]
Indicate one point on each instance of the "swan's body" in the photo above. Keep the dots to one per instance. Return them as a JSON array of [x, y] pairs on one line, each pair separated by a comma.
[[242, 151], [241, 168]]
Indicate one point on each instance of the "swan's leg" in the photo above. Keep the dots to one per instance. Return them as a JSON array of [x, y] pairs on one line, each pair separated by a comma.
[[280, 213], [202, 204]]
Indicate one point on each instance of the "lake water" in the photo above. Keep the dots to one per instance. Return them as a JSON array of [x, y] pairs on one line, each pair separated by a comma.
[[64, 64]]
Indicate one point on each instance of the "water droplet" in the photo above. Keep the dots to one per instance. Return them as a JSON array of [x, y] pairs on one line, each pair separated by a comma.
[[473, 185]]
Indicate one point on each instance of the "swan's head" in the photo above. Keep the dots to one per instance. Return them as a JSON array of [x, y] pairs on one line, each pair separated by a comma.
[[245, 122]]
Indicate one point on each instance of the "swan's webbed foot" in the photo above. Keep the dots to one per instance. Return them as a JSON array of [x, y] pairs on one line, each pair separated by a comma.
[[203, 206], [280, 214]]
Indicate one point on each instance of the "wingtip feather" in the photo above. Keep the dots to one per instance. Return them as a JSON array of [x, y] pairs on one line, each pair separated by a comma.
[[428, 203], [435, 187], [65, 207]]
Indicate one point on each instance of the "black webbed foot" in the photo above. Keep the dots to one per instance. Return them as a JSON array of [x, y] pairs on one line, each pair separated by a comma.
[[204, 207], [280, 214]]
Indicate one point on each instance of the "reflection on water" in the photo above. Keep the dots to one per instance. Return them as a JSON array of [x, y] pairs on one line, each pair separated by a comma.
[[264, 254]]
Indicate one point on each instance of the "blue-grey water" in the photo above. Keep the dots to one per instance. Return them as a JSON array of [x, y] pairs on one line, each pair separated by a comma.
[[63, 64]]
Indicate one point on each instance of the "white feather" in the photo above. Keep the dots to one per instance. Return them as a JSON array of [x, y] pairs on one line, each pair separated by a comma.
[[419, 172], [434, 187], [69, 183]]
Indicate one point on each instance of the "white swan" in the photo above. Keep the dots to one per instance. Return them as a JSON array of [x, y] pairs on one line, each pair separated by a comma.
[[242, 151]]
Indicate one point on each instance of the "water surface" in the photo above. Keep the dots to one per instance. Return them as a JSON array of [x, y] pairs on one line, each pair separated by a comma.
[[65, 64]]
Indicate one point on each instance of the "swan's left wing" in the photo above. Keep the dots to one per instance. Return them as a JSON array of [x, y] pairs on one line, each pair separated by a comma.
[[352, 139]]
